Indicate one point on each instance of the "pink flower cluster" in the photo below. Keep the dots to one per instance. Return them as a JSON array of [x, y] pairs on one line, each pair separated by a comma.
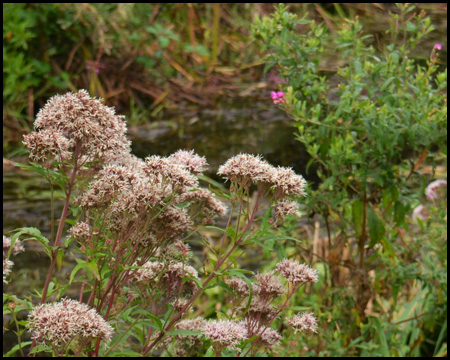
[[167, 276], [245, 169], [277, 97], [225, 333], [297, 273], [303, 322], [75, 122], [62, 322]]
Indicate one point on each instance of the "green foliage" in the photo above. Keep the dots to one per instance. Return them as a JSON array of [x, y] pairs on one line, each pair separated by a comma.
[[369, 125]]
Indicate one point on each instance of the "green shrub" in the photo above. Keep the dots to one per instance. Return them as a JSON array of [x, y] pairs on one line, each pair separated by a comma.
[[369, 127]]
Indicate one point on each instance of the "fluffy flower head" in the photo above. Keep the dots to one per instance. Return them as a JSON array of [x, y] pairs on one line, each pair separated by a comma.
[[303, 322], [76, 119], [189, 160], [68, 320], [245, 169], [226, 332], [287, 183], [297, 273]]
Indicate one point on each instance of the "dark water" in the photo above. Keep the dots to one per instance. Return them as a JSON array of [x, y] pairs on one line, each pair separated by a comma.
[[237, 125]]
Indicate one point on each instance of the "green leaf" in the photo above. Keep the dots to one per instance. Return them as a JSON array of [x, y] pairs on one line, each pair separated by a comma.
[[410, 27], [231, 233], [185, 332], [384, 344], [210, 352], [358, 215], [16, 348], [183, 205], [94, 269], [157, 321], [41, 170], [89, 268], [215, 228], [75, 270], [36, 234], [237, 272], [376, 227], [59, 257]]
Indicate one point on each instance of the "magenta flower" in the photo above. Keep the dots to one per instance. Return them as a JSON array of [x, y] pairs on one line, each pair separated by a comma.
[[277, 97], [438, 46]]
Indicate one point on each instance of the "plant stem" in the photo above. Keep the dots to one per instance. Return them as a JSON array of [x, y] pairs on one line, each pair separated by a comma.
[[61, 223]]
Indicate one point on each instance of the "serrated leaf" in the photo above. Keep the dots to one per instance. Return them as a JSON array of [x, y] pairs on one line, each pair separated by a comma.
[[36, 234]]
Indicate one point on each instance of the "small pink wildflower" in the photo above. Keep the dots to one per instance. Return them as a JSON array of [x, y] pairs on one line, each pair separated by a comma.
[[277, 97], [438, 46]]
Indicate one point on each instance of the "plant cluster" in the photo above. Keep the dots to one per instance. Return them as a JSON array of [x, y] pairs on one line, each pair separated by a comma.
[[129, 221]]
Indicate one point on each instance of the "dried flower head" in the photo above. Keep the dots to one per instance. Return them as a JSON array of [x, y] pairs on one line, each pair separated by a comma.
[[245, 169], [150, 272], [68, 320], [260, 310], [164, 168], [269, 286], [303, 322], [270, 338], [80, 231], [168, 276], [75, 120], [225, 333], [179, 304], [297, 273], [239, 286], [209, 204], [47, 144], [8, 264], [171, 223], [111, 180], [284, 208], [287, 184], [189, 160]]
